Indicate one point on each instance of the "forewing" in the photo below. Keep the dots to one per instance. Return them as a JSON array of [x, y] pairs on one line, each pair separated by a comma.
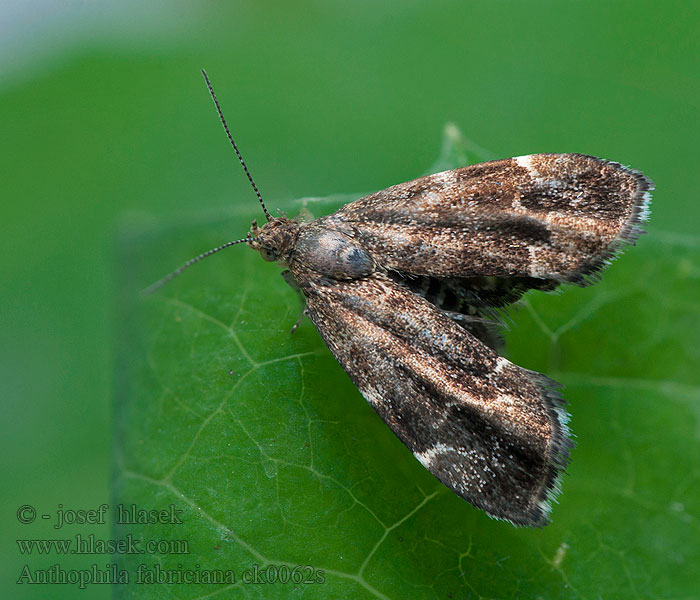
[[491, 431], [558, 217]]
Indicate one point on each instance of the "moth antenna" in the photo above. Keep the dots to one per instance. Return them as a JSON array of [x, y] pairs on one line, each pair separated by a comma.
[[268, 216], [160, 283]]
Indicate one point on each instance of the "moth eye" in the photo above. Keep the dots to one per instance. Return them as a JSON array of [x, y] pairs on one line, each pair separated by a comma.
[[268, 255]]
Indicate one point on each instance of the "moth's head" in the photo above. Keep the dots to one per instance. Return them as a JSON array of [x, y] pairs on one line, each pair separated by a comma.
[[275, 239]]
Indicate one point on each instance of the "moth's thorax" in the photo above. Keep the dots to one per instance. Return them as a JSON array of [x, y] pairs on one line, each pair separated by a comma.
[[275, 240], [332, 253]]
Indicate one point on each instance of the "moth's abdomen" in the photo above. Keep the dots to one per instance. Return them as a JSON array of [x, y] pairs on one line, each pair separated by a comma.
[[332, 253]]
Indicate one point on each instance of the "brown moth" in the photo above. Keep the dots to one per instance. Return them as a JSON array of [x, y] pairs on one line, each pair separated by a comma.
[[401, 284]]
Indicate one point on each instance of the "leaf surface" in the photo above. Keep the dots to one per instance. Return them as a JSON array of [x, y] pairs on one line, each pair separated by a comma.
[[277, 462]]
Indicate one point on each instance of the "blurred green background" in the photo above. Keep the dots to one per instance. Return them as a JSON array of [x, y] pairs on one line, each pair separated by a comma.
[[105, 115]]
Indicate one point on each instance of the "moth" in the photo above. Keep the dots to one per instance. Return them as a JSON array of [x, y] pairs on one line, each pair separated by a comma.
[[402, 285]]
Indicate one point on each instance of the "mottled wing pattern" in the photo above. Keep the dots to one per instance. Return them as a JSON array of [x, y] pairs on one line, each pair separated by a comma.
[[558, 217], [491, 431]]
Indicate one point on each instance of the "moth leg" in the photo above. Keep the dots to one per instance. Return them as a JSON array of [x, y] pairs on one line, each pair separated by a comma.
[[304, 313], [289, 278], [291, 282]]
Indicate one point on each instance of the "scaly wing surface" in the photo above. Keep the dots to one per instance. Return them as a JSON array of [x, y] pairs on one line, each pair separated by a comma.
[[491, 431], [558, 217]]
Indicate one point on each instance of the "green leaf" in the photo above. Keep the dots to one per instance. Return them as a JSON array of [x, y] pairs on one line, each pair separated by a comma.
[[275, 459]]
